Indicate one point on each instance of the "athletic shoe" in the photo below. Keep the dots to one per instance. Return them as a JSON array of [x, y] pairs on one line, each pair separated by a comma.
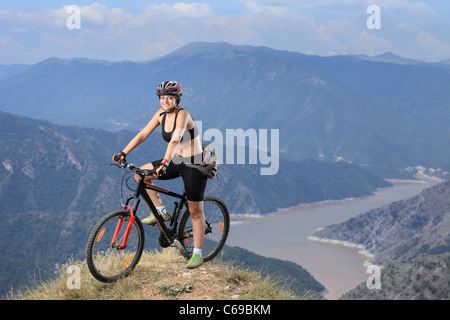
[[151, 220], [194, 261]]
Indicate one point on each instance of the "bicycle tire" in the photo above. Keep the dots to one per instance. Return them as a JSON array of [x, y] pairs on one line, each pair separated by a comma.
[[106, 262], [217, 218]]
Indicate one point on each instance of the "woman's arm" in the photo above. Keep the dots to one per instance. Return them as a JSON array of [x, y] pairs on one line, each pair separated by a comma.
[[182, 121]]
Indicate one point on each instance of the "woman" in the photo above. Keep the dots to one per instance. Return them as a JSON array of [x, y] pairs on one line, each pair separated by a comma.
[[184, 147]]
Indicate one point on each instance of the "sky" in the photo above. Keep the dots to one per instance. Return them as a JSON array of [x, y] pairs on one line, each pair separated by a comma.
[[138, 30]]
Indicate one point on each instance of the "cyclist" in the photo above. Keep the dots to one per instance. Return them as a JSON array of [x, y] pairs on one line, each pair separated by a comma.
[[184, 150]]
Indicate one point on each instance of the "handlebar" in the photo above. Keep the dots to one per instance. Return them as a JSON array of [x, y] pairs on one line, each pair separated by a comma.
[[143, 173]]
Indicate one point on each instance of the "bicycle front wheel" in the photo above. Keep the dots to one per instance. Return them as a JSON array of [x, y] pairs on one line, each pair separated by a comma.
[[217, 226], [107, 259]]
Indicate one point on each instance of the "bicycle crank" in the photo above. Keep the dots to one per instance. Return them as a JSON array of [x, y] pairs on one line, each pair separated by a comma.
[[181, 248], [163, 241]]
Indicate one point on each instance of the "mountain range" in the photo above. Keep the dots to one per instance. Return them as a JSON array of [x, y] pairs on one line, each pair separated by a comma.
[[375, 113], [345, 123]]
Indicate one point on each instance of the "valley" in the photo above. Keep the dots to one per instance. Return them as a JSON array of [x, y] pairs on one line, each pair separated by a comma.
[[337, 267]]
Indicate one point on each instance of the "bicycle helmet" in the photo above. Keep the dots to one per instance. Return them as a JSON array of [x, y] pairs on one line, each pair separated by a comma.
[[169, 88]]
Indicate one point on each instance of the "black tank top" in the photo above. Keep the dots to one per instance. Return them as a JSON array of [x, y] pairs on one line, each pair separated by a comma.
[[167, 136]]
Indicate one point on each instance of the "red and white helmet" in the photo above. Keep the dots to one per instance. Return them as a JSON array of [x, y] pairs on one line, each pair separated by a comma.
[[169, 88]]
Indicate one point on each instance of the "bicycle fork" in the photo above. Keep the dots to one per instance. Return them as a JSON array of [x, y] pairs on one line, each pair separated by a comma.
[[127, 231]]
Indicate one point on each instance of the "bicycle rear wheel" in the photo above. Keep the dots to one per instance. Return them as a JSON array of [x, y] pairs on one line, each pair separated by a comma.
[[106, 259], [217, 226]]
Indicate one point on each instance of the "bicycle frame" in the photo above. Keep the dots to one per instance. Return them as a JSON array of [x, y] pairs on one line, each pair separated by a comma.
[[141, 192]]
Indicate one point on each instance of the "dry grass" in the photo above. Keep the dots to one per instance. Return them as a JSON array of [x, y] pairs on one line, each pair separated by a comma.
[[163, 276]]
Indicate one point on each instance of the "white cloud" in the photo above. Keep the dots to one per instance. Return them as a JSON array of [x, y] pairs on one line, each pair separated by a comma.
[[302, 33], [96, 13], [403, 5], [402, 11], [357, 40], [183, 10], [115, 34], [432, 47], [304, 3], [416, 7], [274, 10], [111, 33], [5, 40], [370, 44]]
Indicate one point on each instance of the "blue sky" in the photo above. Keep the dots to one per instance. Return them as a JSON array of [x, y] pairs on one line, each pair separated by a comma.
[[137, 30]]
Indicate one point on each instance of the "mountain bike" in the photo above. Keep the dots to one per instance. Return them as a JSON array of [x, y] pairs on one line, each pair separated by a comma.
[[116, 242]]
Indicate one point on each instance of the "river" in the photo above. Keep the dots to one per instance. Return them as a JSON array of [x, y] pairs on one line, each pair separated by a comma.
[[284, 235]]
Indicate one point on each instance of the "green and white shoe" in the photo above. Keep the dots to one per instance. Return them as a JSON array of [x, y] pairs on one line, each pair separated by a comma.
[[151, 220], [194, 261]]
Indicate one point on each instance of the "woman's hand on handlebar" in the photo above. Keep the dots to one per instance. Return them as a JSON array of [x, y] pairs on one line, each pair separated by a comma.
[[119, 157], [162, 168]]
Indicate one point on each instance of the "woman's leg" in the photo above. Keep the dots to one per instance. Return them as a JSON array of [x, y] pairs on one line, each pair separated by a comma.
[[154, 196], [156, 199], [198, 222], [194, 186], [198, 227]]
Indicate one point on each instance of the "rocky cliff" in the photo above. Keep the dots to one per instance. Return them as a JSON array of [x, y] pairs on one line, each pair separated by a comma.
[[401, 230]]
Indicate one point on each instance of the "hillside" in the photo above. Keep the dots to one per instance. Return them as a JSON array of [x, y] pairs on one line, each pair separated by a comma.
[[163, 276], [418, 90], [325, 108], [401, 230], [425, 277], [409, 240], [298, 279]]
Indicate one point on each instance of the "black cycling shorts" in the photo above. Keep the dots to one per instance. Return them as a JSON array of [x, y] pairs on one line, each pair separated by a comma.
[[194, 180]]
